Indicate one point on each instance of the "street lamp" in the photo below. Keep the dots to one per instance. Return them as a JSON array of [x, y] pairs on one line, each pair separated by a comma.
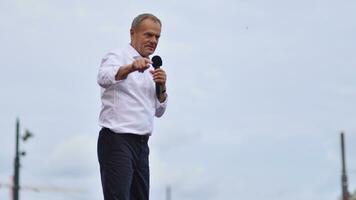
[[25, 137]]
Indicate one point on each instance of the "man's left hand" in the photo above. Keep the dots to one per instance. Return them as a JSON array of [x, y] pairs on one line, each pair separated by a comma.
[[159, 76]]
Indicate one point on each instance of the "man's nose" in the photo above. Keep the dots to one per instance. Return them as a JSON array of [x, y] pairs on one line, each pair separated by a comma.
[[154, 40]]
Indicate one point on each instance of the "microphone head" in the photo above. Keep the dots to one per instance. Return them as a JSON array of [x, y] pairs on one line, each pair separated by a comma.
[[157, 62]]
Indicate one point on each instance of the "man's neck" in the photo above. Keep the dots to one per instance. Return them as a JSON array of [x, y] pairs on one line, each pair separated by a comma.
[[138, 51]]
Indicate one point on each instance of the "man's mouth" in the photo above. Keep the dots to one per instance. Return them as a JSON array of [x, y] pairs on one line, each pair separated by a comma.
[[150, 48]]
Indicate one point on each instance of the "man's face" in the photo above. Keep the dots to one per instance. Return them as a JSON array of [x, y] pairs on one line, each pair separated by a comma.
[[144, 38]]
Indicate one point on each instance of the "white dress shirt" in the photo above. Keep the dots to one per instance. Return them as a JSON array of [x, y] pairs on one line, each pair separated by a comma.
[[128, 105]]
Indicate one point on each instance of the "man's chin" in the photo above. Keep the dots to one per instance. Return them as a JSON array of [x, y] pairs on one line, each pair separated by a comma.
[[148, 53]]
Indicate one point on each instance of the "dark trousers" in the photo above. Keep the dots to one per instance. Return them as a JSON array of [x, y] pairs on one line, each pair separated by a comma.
[[124, 167]]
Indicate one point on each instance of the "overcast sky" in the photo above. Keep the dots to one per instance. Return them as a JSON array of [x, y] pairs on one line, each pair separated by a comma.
[[258, 94]]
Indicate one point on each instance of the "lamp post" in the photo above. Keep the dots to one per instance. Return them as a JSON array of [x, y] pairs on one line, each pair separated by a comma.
[[16, 185]]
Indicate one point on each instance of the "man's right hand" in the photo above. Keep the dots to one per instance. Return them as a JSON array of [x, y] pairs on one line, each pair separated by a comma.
[[140, 64]]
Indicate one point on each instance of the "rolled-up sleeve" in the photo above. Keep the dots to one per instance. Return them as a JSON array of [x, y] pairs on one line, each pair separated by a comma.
[[161, 107], [108, 69]]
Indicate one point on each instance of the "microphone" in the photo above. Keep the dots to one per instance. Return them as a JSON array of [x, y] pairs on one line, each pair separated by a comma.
[[157, 63]]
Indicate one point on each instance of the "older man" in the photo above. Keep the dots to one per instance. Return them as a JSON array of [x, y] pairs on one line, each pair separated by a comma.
[[129, 104]]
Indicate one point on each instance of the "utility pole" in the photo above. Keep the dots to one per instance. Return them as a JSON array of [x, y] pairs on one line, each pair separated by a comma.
[[344, 185], [17, 164]]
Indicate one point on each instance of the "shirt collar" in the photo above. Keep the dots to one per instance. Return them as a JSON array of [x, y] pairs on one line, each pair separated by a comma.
[[131, 51]]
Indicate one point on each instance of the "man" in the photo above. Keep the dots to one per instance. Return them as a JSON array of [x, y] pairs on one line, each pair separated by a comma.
[[129, 104]]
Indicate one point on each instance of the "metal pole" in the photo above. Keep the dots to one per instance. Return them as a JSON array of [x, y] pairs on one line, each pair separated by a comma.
[[16, 185], [344, 185], [168, 193]]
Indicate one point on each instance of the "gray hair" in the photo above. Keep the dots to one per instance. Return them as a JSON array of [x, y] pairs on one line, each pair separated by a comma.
[[137, 21]]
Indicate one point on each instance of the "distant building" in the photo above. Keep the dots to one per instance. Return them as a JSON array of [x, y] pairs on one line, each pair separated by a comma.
[[353, 196]]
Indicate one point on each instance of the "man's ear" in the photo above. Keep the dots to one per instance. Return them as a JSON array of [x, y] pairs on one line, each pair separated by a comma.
[[131, 32]]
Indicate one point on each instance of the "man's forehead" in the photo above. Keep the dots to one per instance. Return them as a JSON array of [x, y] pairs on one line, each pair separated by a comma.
[[149, 23]]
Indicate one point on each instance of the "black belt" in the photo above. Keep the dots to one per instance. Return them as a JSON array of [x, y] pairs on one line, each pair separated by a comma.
[[143, 138]]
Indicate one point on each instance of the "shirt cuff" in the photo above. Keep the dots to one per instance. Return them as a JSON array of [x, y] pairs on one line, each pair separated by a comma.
[[113, 73]]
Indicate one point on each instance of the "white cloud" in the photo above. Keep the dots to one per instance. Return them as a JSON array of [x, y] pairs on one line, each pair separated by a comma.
[[75, 157]]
